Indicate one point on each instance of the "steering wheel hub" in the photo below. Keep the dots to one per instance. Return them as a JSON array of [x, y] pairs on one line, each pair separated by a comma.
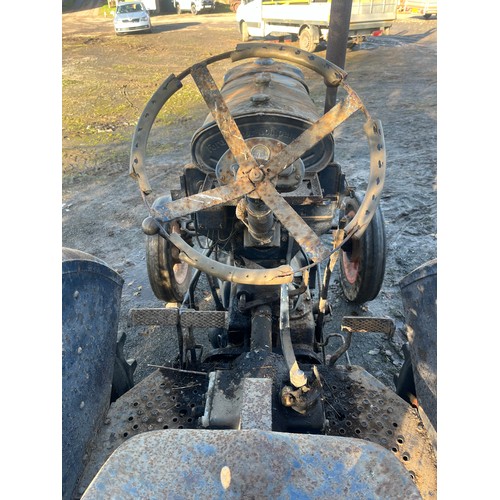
[[256, 174]]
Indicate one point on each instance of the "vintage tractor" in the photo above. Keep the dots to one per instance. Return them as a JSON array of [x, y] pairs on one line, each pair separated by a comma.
[[264, 213]]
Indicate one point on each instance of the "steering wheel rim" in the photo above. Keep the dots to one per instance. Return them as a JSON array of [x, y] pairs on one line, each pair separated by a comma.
[[253, 178]]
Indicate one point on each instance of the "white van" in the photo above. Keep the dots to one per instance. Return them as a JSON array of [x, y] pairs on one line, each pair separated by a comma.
[[310, 19]]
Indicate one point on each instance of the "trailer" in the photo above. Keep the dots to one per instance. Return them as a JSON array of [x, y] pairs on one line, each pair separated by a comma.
[[310, 19]]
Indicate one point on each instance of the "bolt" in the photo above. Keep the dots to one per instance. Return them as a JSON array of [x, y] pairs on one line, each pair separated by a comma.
[[256, 175], [260, 98]]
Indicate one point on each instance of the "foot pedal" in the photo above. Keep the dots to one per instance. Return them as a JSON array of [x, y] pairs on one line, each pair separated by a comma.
[[203, 319], [165, 316], [161, 316], [368, 324]]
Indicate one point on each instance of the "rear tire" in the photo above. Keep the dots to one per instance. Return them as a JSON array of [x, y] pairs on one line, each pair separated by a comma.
[[306, 41], [362, 262], [244, 32]]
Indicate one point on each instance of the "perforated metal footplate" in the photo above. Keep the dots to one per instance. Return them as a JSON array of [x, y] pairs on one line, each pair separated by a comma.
[[164, 400], [187, 318], [358, 405], [368, 324]]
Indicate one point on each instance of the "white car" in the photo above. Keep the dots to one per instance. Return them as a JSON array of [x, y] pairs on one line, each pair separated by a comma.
[[194, 6], [131, 16]]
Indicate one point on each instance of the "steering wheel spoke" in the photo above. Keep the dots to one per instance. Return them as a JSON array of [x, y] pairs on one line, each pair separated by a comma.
[[291, 220], [311, 136], [206, 199], [222, 116]]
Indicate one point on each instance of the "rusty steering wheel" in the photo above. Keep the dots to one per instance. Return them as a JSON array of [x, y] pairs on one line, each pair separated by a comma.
[[253, 179]]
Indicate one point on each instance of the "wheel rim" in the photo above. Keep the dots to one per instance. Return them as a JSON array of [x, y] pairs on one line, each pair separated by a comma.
[[180, 272], [305, 40], [180, 269], [351, 260], [351, 267]]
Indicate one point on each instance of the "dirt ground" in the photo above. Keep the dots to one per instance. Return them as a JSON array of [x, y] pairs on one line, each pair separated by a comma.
[[102, 210]]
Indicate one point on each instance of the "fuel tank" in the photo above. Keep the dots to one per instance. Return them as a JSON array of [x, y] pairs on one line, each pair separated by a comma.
[[271, 104]]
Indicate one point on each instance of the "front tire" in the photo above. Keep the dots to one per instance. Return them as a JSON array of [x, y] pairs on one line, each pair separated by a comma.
[[168, 275], [362, 262]]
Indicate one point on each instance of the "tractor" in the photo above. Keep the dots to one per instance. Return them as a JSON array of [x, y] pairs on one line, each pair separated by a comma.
[[253, 406]]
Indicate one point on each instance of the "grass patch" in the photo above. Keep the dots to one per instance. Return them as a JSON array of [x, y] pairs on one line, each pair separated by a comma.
[[97, 114]]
